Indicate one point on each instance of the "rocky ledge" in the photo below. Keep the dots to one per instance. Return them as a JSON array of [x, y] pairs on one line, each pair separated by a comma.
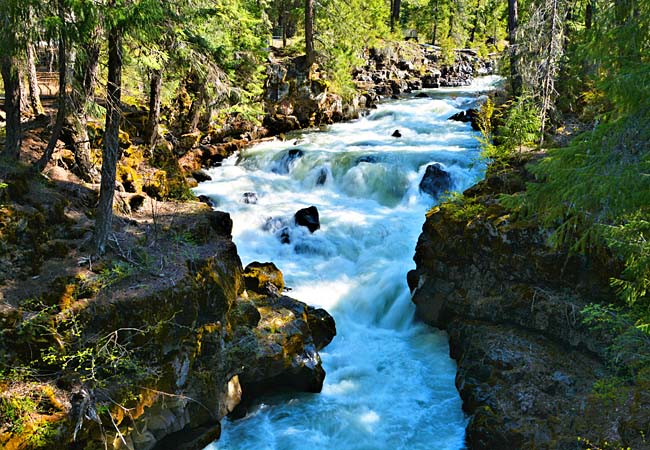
[[157, 360], [530, 373]]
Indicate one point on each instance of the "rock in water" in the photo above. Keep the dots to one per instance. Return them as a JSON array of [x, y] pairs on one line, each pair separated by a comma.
[[322, 177], [435, 180], [323, 328], [201, 176], [396, 134], [422, 95], [471, 115], [250, 198], [287, 160], [308, 217], [263, 278]]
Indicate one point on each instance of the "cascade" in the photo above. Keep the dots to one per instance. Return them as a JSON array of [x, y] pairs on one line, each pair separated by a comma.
[[390, 381]]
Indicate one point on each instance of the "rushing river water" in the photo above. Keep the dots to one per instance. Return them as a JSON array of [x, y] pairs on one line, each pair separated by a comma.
[[390, 381]]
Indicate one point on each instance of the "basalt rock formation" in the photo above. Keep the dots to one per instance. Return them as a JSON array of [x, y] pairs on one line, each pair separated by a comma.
[[528, 367], [158, 363]]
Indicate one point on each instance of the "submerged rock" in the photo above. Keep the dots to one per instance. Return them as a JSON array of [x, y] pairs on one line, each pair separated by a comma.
[[201, 176], [308, 217], [250, 198], [287, 160], [207, 200], [435, 181], [322, 177]]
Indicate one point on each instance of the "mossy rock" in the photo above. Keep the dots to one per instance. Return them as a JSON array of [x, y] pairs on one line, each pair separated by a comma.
[[263, 278], [130, 178], [169, 182], [157, 186], [188, 141], [124, 140]]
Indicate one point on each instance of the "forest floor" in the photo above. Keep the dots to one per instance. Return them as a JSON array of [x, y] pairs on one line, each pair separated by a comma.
[[46, 233]]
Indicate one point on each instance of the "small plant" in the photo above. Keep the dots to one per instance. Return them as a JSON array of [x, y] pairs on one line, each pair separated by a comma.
[[521, 125], [118, 271], [461, 208]]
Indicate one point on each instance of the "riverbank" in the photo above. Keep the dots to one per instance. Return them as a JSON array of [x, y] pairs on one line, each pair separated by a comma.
[[531, 372]]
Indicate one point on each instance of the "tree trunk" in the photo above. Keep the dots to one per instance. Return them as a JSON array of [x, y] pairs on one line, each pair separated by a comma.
[[155, 86], [62, 101], [554, 53], [395, 6], [195, 111], [513, 21], [452, 21], [472, 34], [11, 80], [111, 150], [34, 90], [589, 14], [435, 24], [78, 118], [309, 32]]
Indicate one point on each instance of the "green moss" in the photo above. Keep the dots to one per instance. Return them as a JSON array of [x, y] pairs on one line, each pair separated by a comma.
[[168, 182], [461, 208]]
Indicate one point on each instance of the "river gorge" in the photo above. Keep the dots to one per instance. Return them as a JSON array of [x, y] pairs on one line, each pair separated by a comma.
[[390, 380]]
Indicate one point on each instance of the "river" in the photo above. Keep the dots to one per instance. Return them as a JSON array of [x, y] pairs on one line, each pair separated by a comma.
[[390, 381]]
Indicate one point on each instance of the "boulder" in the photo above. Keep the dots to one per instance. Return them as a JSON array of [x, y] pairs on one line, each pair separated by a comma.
[[188, 141], [207, 200], [282, 351], [308, 217], [396, 134], [322, 326], [221, 223], [280, 123], [250, 198], [287, 160], [263, 278], [471, 115], [201, 176], [322, 176], [435, 180]]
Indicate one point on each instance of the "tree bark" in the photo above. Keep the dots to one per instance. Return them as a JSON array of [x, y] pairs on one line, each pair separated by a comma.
[[472, 34], [79, 120], [155, 86], [195, 111], [34, 90], [11, 80], [111, 150], [435, 23], [309, 32], [513, 23], [395, 6], [62, 101], [589, 14]]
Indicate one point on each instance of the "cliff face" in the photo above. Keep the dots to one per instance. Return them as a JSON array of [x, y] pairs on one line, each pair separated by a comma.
[[157, 364], [527, 366]]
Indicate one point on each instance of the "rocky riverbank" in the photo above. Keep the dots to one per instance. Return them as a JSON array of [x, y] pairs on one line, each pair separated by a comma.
[[531, 374], [297, 96], [129, 354]]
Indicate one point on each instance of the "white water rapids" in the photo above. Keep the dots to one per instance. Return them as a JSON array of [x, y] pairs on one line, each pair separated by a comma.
[[390, 381]]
